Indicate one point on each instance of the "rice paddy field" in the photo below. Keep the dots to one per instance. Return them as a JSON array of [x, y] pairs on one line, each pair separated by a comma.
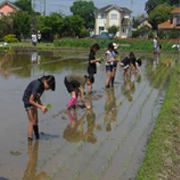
[[107, 142]]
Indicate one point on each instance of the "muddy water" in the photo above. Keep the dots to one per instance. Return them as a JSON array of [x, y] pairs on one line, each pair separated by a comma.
[[105, 143]]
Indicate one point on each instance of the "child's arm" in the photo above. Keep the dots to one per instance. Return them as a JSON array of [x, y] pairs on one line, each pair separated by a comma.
[[40, 106], [95, 60], [82, 98]]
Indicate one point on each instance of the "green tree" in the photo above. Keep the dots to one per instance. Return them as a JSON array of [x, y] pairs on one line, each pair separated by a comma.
[[21, 24], [86, 10], [160, 14], [51, 26], [72, 26], [24, 5], [151, 4], [6, 26], [113, 30]]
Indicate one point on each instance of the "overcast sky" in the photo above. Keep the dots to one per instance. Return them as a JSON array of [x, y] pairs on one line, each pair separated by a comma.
[[137, 6]]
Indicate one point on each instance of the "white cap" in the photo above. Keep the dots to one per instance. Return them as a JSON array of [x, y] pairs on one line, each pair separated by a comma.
[[115, 45]]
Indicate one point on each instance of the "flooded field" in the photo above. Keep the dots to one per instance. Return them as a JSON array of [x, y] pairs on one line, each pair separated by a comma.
[[105, 143]]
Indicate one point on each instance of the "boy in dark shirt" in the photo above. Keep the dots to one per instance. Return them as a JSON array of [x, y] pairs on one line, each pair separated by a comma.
[[92, 69], [125, 63], [31, 99]]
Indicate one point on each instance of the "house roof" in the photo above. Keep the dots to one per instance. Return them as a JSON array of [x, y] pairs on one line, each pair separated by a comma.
[[176, 10], [109, 7], [167, 25], [10, 4]]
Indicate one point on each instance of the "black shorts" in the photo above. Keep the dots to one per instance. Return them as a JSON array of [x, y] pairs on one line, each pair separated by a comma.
[[109, 68], [114, 65], [70, 88], [91, 77], [29, 106]]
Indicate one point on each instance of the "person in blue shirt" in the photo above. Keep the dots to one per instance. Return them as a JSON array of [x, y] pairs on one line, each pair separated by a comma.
[[32, 101]]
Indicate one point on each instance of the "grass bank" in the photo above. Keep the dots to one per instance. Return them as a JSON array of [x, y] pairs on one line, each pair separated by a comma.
[[129, 44], [162, 159]]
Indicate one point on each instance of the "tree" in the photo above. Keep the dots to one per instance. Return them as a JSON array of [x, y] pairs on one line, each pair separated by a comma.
[[6, 26], [151, 4], [86, 10], [72, 26], [51, 26], [113, 30], [24, 5], [160, 14], [21, 24]]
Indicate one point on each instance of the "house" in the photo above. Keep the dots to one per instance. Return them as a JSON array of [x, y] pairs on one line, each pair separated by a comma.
[[6, 8], [144, 22], [114, 15], [172, 24]]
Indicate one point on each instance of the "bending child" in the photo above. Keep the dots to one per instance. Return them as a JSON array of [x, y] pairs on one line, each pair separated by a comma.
[[75, 83], [32, 101]]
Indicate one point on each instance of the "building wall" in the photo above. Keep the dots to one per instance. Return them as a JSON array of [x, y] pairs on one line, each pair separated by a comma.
[[113, 17], [6, 9]]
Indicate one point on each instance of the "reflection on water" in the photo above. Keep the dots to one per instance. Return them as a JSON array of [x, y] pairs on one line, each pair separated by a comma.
[[31, 170], [110, 116], [24, 65], [80, 129]]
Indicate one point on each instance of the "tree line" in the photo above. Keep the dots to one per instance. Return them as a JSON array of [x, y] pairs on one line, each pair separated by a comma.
[[82, 20]]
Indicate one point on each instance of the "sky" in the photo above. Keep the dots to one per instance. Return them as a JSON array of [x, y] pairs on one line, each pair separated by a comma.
[[137, 6]]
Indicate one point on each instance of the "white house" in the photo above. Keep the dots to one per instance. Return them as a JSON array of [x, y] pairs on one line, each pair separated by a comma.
[[114, 15]]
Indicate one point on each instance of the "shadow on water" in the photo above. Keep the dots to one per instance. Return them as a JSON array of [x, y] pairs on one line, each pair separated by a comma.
[[2, 178]]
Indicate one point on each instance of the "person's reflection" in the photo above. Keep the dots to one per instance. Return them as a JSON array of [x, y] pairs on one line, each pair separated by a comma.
[[127, 88], [35, 57], [31, 169], [155, 62], [76, 131], [110, 110]]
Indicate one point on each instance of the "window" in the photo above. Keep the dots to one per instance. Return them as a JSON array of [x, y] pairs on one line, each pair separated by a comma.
[[102, 16], [1, 14], [113, 16], [9, 13]]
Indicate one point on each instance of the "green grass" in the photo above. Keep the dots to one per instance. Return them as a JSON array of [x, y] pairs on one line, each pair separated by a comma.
[[130, 44], [161, 156]]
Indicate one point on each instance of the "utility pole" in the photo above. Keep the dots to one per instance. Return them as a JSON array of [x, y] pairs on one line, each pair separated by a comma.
[[44, 7]]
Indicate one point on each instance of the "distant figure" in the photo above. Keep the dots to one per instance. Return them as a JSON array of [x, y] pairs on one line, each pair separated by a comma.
[[155, 43], [32, 101], [92, 69], [34, 39], [39, 36]]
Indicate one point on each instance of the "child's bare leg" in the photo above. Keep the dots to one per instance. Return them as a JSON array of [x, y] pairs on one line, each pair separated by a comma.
[[108, 78], [32, 122]]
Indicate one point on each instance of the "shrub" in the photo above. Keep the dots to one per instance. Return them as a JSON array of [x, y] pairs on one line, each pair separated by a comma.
[[10, 38]]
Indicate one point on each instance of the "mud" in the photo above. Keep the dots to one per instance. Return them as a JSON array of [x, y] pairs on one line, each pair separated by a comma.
[[105, 143]]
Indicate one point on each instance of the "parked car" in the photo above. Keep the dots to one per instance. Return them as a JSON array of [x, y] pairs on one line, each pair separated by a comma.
[[104, 35]]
